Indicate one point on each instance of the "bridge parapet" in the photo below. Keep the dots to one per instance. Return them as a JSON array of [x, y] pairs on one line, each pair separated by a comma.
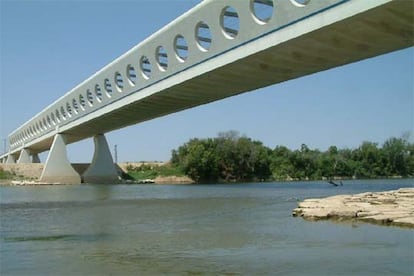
[[211, 29]]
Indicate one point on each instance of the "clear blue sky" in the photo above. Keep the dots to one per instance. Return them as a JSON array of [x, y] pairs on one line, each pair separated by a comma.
[[48, 47]]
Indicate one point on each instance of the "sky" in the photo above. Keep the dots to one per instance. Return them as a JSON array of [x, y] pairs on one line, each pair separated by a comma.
[[48, 47]]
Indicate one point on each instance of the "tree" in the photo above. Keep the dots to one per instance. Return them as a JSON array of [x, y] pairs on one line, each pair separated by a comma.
[[369, 160], [281, 166], [228, 158], [197, 159], [397, 155]]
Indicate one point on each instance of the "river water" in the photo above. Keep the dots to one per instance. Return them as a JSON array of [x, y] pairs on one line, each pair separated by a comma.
[[238, 229]]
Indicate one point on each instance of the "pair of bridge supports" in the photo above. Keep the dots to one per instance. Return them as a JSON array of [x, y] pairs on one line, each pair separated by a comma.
[[25, 157], [58, 169]]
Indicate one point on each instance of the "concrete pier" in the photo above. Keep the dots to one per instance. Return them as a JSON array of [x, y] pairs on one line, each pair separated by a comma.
[[57, 168], [10, 159], [35, 158], [102, 168], [24, 156]]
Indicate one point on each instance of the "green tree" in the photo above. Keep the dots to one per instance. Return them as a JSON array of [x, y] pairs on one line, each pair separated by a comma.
[[228, 158], [368, 159], [281, 166], [345, 166], [397, 154], [197, 159]]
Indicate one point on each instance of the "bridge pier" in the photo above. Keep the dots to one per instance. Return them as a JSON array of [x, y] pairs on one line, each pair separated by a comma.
[[57, 168], [102, 169], [10, 159], [24, 156], [35, 158]]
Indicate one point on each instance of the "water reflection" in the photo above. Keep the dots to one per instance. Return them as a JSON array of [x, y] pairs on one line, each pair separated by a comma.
[[102, 192]]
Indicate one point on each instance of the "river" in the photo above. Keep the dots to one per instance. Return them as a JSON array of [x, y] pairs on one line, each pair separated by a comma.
[[237, 229]]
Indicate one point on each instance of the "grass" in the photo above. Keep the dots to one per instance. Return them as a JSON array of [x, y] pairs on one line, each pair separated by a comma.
[[5, 175]]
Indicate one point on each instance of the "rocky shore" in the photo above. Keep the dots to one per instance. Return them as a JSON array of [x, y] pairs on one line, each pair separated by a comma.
[[388, 208]]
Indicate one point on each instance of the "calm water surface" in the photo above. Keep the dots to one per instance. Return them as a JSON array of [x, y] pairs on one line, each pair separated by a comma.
[[239, 229]]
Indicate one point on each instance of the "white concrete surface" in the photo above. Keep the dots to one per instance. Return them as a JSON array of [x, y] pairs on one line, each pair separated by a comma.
[[57, 168], [24, 156], [102, 169], [10, 159]]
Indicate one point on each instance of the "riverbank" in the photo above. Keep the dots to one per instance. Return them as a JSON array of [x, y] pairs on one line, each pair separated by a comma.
[[131, 173], [386, 208], [23, 182], [162, 180]]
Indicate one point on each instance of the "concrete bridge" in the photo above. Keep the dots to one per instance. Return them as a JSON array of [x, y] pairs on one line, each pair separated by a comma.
[[216, 50]]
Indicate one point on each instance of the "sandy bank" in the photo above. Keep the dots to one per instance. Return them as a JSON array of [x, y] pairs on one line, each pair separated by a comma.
[[388, 208], [173, 180]]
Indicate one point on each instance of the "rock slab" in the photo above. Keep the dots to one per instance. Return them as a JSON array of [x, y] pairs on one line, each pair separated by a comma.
[[388, 208]]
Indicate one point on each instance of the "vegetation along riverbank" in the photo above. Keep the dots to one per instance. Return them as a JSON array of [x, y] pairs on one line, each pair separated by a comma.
[[230, 158], [233, 158]]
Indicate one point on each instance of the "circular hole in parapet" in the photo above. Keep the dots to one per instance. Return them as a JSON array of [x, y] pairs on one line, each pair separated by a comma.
[[75, 106], [108, 87], [63, 113], [162, 58], [145, 67], [300, 3], [203, 36], [262, 10], [98, 92], [68, 110], [230, 22], [181, 48], [89, 96], [131, 74], [82, 101], [119, 81]]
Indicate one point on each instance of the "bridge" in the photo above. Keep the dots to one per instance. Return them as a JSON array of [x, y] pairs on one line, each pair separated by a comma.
[[216, 50]]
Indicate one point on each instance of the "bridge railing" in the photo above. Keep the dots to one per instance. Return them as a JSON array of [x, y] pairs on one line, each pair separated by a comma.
[[203, 33]]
